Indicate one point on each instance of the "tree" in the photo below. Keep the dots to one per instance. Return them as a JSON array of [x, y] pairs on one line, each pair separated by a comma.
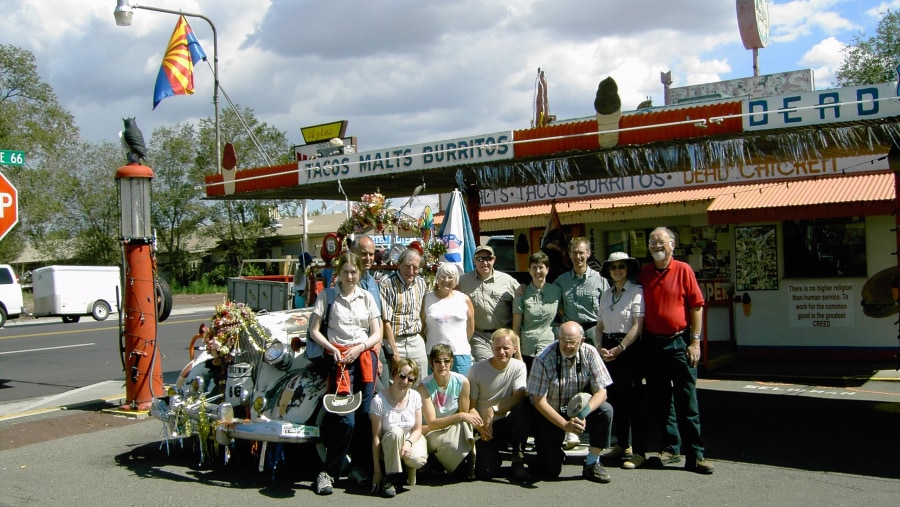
[[32, 120], [243, 225], [92, 198], [177, 208], [873, 60]]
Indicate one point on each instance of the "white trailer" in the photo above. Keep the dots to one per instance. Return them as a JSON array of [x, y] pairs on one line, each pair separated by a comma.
[[72, 291]]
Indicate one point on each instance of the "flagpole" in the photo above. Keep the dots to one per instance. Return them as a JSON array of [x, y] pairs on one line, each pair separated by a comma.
[[123, 15]]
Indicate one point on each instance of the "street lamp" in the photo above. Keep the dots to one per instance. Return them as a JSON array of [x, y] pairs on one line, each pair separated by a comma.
[[123, 14]]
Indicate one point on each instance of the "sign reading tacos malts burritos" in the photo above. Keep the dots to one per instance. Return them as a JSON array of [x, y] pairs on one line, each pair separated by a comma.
[[403, 159]]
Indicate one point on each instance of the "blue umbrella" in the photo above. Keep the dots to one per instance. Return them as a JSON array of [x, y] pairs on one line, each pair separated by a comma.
[[456, 233]]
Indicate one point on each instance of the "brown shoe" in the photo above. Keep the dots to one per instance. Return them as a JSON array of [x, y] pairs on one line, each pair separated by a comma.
[[700, 466]]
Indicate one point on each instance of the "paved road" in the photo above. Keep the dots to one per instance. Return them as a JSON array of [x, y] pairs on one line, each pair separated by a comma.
[[773, 444], [775, 441]]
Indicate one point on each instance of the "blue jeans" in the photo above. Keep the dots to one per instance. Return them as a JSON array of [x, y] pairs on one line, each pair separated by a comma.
[[350, 433], [671, 380]]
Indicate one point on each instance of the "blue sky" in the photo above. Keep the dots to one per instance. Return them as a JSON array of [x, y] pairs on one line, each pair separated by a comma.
[[410, 71]]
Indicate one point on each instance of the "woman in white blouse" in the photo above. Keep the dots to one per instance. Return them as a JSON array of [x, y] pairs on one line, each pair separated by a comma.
[[620, 321], [396, 416]]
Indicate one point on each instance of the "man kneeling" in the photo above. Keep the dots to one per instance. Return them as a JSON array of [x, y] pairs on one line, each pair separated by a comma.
[[561, 379]]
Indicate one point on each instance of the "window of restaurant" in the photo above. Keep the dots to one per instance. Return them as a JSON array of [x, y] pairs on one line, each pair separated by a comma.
[[825, 248]]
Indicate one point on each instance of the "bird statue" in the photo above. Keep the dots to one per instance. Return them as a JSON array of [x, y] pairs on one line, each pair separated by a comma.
[[133, 141]]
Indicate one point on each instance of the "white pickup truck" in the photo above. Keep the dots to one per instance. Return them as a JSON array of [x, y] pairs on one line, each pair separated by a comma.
[[11, 303]]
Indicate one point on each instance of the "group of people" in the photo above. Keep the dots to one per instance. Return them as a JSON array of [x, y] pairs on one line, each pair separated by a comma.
[[477, 365]]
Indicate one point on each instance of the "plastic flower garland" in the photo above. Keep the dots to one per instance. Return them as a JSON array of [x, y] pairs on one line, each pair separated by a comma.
[[371, 212], [223, 337]]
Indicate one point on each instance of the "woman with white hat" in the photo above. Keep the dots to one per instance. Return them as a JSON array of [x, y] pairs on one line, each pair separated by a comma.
[[619, 323]]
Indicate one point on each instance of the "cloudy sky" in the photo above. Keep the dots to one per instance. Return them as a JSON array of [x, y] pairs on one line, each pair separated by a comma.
[[410, 71]]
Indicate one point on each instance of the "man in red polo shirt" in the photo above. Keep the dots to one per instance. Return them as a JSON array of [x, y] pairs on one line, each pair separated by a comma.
[[673, 319]]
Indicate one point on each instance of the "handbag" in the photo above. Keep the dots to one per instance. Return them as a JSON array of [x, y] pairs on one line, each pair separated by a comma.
[[314, 351]]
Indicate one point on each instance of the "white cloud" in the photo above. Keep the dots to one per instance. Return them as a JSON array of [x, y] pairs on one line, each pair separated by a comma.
[[408, 71], [825, 57]]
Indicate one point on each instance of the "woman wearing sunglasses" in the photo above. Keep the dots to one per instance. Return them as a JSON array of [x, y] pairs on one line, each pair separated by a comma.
[[620, 321], [396, 416], [448, 427]]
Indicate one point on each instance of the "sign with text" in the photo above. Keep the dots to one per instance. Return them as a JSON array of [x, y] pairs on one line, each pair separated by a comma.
[[12, 157], [754, 86], [822, 304], [854, 103], [750, 173], [402, 159]]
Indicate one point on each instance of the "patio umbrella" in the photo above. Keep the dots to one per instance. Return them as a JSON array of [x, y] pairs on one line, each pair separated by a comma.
[[456, 233]]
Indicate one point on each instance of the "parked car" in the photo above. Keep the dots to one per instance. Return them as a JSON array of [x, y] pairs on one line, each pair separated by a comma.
[[11, 302]]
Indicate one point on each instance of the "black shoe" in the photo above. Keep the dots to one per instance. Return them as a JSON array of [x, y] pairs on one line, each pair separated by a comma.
[[519, 473], [596, 473], [699, 466], [387, 488]]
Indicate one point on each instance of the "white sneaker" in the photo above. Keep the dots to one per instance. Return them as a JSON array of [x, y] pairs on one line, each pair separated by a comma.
[[572, 440], [636, 461], [323, 484]]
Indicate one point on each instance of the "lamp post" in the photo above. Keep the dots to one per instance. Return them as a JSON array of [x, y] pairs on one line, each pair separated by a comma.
[[143, 368], [123, 14]]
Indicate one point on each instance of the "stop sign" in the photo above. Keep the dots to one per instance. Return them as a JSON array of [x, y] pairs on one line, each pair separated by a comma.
[[9, 206]]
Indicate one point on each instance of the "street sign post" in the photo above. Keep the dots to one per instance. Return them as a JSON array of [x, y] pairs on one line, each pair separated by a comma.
[[12, 157], [9, 206]]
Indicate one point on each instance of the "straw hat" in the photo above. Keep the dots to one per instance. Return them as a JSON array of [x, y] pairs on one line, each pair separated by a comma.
[[578, 406], [632, 264]]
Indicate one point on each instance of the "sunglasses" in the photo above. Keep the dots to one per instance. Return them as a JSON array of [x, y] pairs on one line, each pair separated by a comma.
[[483, 259], [406, 376], [443, 361], [616, 267]]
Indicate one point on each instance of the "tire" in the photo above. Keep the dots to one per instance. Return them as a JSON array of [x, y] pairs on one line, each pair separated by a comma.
[[70, 319], [100, 310], [163, 299], [2, 316]]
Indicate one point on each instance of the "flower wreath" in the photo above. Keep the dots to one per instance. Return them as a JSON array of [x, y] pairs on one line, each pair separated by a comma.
[[371, 212], [222, 339]]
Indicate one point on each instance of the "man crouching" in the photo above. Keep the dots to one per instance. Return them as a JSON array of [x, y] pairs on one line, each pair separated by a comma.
[[562, 377], [497, 395]]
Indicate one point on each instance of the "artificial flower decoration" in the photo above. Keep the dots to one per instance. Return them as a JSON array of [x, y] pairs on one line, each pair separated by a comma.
[[223, 338], [372, 212]]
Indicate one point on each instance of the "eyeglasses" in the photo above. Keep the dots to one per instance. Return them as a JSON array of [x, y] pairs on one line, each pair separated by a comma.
[[407, 377], [659, 243], [443, 361], [483, 259], [447, 278], [616, 267]]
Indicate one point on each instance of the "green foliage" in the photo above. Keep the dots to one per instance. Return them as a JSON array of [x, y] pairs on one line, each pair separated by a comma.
[[69, 209], [201, 286], [32, 120], [872, 60]]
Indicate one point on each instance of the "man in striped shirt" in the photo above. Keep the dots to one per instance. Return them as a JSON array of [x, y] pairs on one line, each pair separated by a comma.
[[401, 306]]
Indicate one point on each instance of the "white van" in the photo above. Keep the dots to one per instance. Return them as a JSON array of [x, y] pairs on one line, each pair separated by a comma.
[[73, 291], [11, 302]]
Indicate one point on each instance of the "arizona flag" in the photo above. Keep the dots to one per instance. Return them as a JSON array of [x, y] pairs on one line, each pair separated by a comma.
[[456, 233], [176, 74]]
